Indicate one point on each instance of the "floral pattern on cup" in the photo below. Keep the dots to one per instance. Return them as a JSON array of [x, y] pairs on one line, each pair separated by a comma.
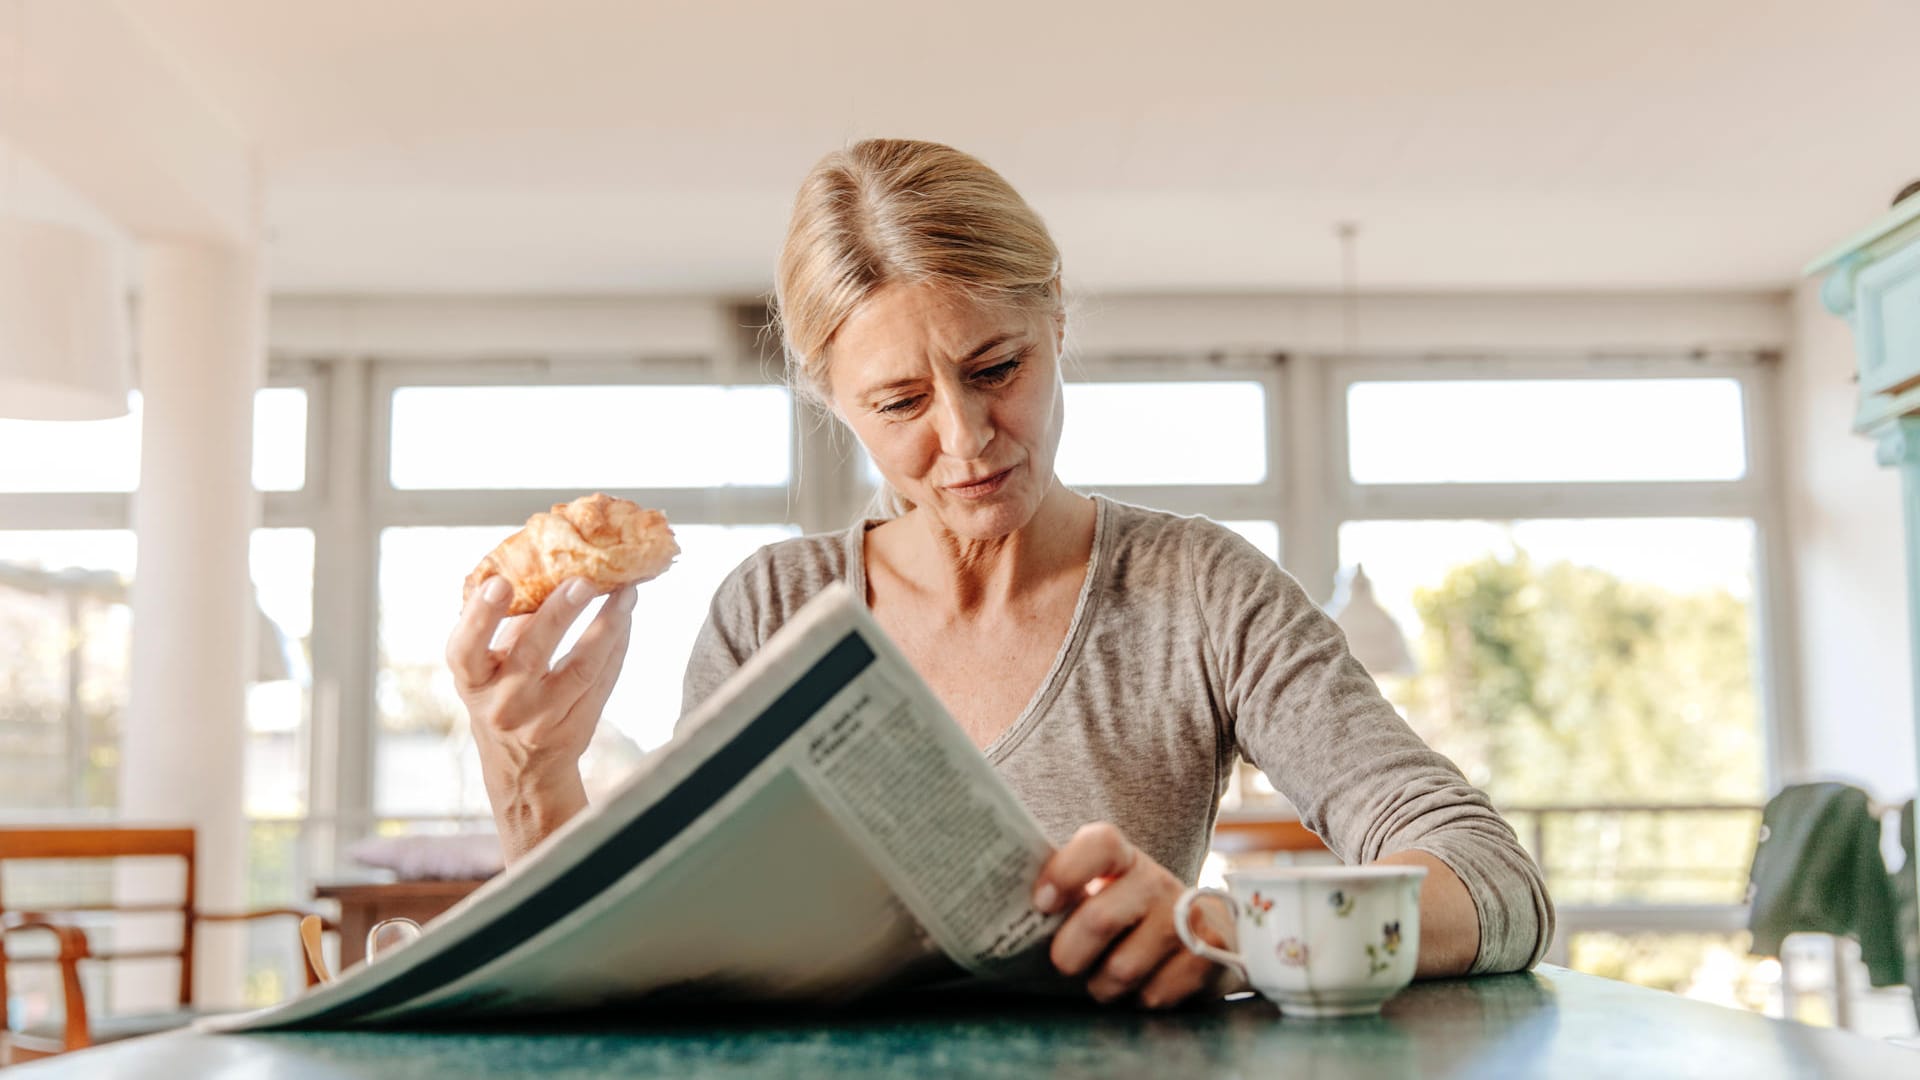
[[1377, 961], [1258, 907], [1341, 903], [1292, 952]]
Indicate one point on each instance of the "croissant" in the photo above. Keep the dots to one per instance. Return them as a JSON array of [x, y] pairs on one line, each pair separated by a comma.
[[610, 542]]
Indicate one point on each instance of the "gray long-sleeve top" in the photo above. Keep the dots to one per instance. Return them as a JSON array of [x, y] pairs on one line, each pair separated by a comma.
[[1187, 648]]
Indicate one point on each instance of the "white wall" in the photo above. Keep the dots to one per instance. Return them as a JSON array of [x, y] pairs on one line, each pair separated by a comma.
[[466, 328], [1843, 515]]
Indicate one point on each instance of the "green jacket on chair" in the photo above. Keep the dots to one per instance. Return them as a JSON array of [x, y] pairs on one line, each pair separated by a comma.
[[1818, 869]]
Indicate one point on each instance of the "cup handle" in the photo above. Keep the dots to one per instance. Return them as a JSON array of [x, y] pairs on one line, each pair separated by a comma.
[[1182, 925], [389, 934]]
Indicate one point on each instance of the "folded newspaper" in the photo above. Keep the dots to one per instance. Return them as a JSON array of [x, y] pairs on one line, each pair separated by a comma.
[[818, 830]]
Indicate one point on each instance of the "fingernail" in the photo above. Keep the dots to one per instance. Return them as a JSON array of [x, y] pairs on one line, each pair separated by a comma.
[[494, 591], [578, 591], [1044, 898], [628, 598]]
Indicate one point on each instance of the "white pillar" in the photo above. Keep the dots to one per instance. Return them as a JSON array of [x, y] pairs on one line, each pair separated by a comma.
[[182, 751]]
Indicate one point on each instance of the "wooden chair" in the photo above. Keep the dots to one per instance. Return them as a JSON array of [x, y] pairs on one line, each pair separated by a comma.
[[1252, 834], [80, 1029]]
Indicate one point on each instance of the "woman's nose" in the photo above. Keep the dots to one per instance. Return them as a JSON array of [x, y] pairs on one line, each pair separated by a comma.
[[964, 426]]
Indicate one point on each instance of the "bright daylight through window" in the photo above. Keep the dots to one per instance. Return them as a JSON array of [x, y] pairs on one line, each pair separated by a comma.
[[1583, 616]]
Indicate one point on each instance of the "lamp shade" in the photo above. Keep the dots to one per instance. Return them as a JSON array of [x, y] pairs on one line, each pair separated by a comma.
[[63, 324], [1372, 636]]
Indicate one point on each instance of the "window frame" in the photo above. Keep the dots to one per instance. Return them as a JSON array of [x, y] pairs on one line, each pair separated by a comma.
[[1758, 496]]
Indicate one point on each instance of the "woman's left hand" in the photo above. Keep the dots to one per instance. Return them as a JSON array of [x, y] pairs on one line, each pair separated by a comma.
[[1120, 934]]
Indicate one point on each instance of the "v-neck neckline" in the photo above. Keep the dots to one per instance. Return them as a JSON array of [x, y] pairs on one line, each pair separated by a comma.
[[1083, 611]]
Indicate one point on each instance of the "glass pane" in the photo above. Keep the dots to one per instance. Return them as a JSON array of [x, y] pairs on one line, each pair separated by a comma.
[[104, 455], [71, 455], [471, 437], [281, 868], [64, 649], [426, 760], [280, 439], [1705, 967], [1545, 431], [1586, 662], [1164, 433], [281, 562]]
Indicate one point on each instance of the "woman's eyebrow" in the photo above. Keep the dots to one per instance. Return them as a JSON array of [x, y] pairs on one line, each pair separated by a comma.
[[987, 346], [976, 353]]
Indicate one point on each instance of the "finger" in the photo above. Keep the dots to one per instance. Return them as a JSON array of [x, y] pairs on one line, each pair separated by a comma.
[[533, 649], [1096, 851], [509, 633], [469, 652], [1099, 922], [1138, 955], [604, 642], [1181, 977], [594, 702]]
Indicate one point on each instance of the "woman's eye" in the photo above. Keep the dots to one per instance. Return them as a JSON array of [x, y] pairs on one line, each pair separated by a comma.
[[903, 405], [998, 372]]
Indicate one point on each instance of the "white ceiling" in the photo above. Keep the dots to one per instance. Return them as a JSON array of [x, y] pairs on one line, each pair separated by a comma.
[[615, 145]]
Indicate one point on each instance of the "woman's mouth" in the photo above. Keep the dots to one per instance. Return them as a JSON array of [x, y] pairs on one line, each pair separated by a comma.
[[984, 486]]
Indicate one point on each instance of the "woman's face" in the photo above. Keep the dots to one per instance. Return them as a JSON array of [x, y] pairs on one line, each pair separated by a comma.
[[959, 404]]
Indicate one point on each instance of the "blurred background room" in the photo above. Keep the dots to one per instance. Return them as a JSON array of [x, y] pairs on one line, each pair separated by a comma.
[[1487, 320]]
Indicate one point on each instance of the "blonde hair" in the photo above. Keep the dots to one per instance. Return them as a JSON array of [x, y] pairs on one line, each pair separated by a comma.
[[898, 211]]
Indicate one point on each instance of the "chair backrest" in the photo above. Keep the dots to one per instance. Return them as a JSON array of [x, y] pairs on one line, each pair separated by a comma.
[[75, 843], [1263, 835]]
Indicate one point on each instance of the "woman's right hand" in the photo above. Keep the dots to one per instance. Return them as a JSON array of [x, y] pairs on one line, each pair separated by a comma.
[[532, 721]]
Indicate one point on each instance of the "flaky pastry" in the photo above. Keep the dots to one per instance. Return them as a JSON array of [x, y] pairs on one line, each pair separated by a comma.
[[610, 542]]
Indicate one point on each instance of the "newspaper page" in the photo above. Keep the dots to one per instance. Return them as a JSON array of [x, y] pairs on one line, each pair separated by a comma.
[[818, 830]]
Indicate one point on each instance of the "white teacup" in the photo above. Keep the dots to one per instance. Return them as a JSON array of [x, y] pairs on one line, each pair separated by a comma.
[[1318, 941]]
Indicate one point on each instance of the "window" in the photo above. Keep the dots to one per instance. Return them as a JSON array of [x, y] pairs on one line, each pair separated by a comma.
[[46, 456], [281, 565], [1162, 433], [1613, 511], [505, 437], [67, 560], [66, 568], [64, 646], [1555, 431], [1580, 662], [1573, 553], [280, 439], [43, 456], [468, 463]]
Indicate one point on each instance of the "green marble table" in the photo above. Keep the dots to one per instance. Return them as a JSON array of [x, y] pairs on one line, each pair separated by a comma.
[[1548, 1024]]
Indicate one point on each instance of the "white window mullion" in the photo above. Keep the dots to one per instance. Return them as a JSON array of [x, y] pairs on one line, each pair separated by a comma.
[[713, 506], [1503, 502], [63, 511], [346, 564]]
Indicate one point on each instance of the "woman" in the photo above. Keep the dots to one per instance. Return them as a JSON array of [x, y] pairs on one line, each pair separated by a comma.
[[1111, 661]]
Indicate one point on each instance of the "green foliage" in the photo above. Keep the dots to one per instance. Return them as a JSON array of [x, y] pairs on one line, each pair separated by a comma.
[[1565, 684]]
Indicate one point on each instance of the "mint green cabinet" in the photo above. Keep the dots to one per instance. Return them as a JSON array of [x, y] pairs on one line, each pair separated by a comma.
[[1873, 281]]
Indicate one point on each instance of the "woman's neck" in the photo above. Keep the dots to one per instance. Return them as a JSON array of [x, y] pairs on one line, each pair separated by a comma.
[[977, 576]]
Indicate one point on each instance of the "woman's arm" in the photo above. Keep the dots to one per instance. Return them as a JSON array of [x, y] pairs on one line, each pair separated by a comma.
[[1449, 920], [1301, 708]]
